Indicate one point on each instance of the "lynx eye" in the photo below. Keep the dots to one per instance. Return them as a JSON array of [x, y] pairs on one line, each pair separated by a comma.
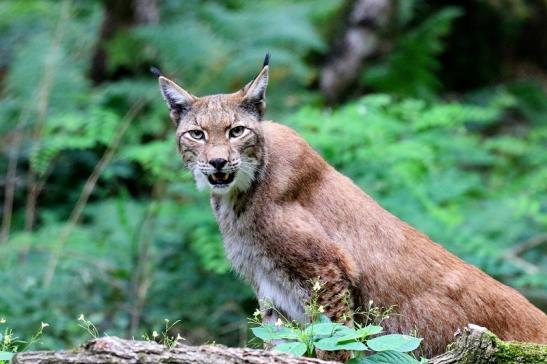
[[196, 134], [236, 132]]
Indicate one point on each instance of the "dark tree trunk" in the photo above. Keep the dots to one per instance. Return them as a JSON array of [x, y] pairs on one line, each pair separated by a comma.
[[119, 15], [360, 40]]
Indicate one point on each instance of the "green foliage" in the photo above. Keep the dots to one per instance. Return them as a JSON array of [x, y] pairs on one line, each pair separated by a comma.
[[11, 344], [320, 333], [386, 357], [331, 336], [88, 326], [400, 343], [470, 174], [146, 228], [68, 132], [164, 337], [411, 69], [212, 48]]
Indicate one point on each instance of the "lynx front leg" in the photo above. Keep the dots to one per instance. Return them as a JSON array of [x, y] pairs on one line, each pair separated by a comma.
[[334, 299], [333, 295], [300, 247]]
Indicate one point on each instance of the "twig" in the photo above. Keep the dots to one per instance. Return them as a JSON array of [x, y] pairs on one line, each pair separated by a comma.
[[141, 279], [11, 174], [528, 244], [88, 188], [523, 264], [514, 253], [41, 112]]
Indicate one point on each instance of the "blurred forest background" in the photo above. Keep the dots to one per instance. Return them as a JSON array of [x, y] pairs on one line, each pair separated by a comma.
[[437, 109]]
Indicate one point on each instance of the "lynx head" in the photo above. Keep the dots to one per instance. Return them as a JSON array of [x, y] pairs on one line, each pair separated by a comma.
[[220, 136]]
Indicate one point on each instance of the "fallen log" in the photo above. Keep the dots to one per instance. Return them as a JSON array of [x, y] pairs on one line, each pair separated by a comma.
[[114, 350], [477, 345], [474, 345]]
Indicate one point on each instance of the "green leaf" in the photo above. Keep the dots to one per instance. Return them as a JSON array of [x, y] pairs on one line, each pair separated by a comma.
[[342, 330], [293, 348], [322, 329], [350, 337], [396, 342], [385, 357], [6, 355], [361, 333], [272, 332], [331, 343], [370, 330]]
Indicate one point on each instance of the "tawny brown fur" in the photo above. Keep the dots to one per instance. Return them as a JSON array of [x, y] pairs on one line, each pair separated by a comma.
[[294, 218]]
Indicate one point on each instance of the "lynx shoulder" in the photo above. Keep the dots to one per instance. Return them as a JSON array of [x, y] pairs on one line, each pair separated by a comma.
[[287, 217]]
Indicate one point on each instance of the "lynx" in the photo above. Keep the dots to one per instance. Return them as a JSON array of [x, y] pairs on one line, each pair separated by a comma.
[[288, 217]]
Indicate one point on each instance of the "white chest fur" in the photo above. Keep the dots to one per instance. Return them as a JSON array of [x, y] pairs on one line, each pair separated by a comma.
[[243, 248]]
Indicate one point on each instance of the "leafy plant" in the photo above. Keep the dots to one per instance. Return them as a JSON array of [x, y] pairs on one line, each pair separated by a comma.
[[164, 337], [322, 334], [11, 344], [88, 326]]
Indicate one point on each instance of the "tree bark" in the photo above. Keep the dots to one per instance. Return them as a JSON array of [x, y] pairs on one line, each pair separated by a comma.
[[360, 40], [119, 15], [474, 345], [120, 351], [477, 345]]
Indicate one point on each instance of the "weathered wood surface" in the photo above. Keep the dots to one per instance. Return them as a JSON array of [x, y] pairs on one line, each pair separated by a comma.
[[113, 350], [474, 345]]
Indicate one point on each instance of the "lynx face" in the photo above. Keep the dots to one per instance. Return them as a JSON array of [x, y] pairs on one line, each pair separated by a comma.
[[221, 143], [220, 136]]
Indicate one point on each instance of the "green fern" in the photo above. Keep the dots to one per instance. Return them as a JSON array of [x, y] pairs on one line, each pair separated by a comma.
[[73, 132], [410, 70]]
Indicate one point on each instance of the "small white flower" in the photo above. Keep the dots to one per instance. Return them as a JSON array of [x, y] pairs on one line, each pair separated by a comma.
[[279, 323], [155, 334], [316, 286], [370, 302], [178, 338], [81, 317], [321, 309], [387, 317], [43, 325], [257, 313], [2, 320]]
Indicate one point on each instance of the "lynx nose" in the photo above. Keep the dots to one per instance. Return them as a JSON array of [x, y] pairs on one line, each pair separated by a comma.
[[218, 163]]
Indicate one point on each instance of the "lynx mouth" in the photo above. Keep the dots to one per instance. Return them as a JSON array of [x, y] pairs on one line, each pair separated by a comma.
[[221, 179]]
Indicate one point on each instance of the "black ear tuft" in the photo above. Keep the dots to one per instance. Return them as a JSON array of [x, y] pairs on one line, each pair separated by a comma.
[[266, 59], [156, 71]]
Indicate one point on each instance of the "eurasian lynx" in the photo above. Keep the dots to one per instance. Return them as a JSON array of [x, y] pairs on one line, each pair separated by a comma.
[[288, 217]]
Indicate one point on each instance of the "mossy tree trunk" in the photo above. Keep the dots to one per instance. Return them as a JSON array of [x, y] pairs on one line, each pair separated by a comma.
[[477, 345]]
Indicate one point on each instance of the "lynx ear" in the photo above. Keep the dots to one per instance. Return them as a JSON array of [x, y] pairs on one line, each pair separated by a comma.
[[254, 93], [178, 100]]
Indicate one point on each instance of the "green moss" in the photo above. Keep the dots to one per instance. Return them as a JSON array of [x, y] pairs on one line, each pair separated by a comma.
[[515, 352], [502, 352]]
